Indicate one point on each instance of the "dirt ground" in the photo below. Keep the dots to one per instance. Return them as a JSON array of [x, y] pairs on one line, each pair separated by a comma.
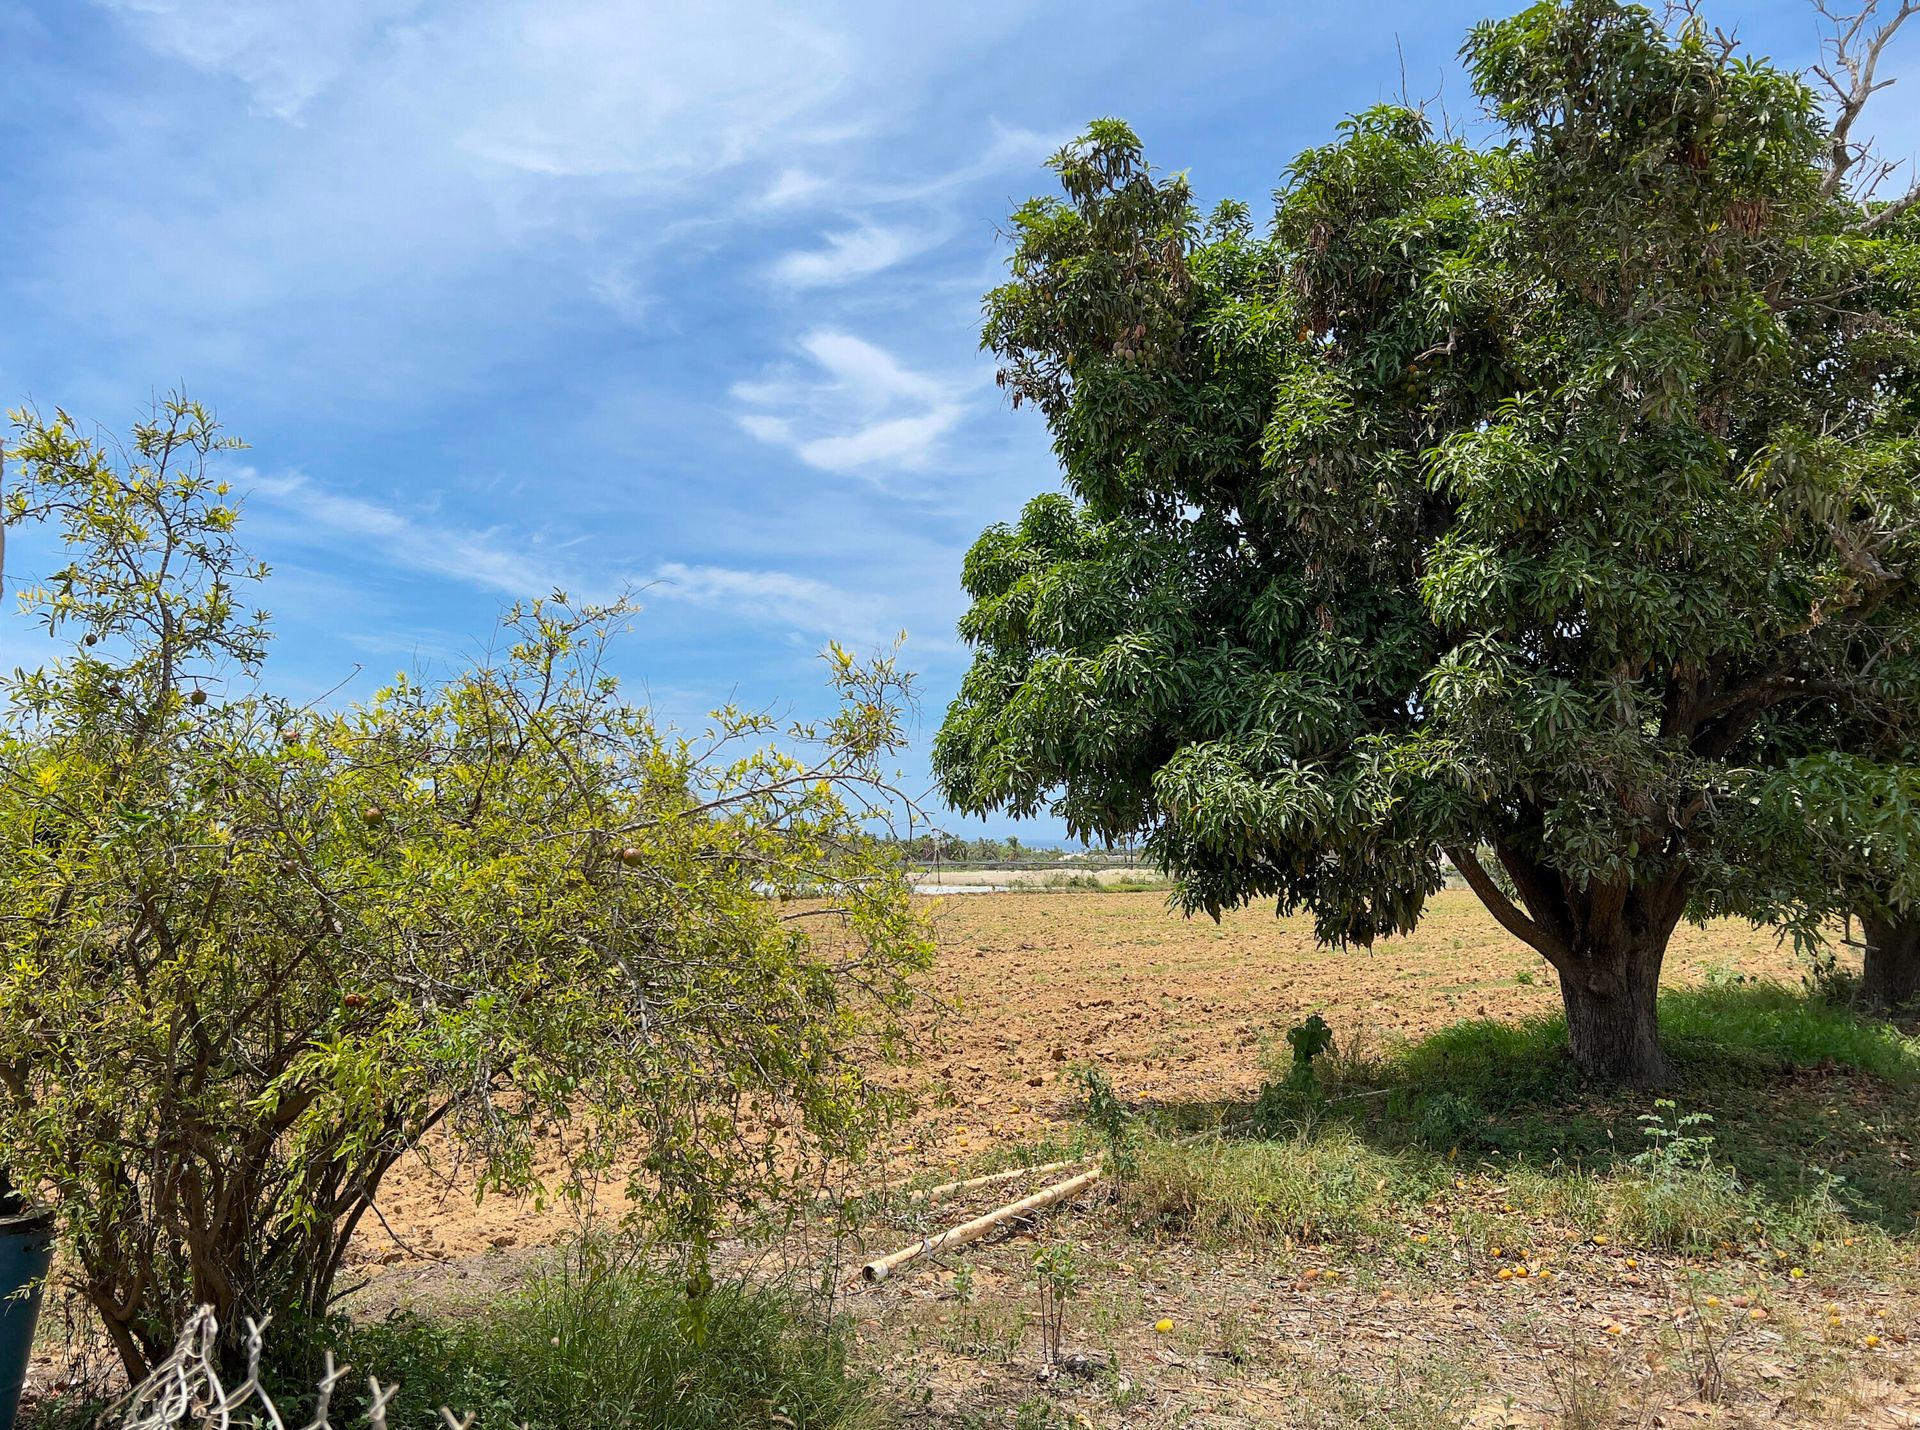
[[1177, 1332], [1173, 1009]]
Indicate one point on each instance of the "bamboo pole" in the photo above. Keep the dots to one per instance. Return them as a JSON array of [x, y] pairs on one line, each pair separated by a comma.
[[971, 1231], [992, 1179], [948, 1189]]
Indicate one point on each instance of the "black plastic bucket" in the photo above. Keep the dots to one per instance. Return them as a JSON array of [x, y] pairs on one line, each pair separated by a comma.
[[26, 1251]]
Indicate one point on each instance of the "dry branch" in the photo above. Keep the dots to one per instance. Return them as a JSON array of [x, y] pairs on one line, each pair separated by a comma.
[[185, 1391]]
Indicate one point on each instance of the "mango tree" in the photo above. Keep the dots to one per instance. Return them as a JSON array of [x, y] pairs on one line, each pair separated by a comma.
[[1479, 509]]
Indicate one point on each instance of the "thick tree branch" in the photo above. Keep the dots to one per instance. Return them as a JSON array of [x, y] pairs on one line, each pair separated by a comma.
[[1551, 948]]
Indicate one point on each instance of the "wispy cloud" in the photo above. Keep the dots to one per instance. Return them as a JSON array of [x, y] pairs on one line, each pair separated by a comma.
[[516, 564], [792, 186], [286, 52], [861, 411], [854, 253], [509, 562], [777, 598]]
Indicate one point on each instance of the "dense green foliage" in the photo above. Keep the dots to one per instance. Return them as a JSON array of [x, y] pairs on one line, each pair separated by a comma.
[[254, 950], [1504, 498]]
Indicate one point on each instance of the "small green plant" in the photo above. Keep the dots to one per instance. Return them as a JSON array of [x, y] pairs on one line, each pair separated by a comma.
[[1059, 1273], [1115, 1123], [1036, 1412], [1294, 1101], [1675, 1145], [1446, 1120], [1678, 1195], [1826, 980], [1309, 1039], [963, 1281]]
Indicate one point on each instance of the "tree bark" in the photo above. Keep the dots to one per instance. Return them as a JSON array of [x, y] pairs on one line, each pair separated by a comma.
[[1892, 963], [1613, 1027], [1607, 942]]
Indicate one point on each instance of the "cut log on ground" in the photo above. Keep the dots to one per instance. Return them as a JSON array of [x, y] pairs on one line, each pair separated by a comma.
[[973, 1230]]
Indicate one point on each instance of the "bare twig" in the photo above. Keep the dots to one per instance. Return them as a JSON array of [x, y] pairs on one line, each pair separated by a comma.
[[185, 1391], [1849, 71]]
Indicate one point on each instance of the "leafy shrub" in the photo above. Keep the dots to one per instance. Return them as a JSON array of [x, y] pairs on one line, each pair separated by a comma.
[[1677, 1196], [1443, 1120], [254, 951], [1112, 1122], [1293, 1101]]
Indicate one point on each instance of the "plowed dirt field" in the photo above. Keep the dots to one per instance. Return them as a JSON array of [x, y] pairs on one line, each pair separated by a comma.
[[1175, 1010]]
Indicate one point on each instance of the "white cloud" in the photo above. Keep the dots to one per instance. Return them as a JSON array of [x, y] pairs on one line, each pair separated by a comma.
[[900, 441], [286, 52], [622, 292], [778, 598], [516, 565], [598, 88], [492, 559], [1008, 148], [865, 410], [793, 186], [852, 254]]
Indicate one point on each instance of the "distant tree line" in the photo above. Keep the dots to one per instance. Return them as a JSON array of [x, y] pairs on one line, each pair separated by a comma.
[[957, 849]]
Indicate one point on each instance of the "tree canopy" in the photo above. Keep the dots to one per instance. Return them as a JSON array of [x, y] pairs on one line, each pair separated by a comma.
[[1495, 502]]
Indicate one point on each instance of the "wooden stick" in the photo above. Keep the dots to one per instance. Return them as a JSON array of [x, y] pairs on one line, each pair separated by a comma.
[[948, 1189], [973, 1230]]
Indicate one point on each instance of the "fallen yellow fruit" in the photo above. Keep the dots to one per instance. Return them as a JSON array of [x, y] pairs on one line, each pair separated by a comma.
[[1872, 1341], [1796, 1273], [1163, 1325], [1506, 1273]]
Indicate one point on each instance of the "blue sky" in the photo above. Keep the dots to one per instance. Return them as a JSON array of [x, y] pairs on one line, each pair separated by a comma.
[[510, 294]]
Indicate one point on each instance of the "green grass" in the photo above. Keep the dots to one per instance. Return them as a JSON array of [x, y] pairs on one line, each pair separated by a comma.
[[600, 1342], [1811, 1117]]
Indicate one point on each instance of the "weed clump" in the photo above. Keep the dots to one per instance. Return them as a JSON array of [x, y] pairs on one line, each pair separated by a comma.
[[604, 1342]]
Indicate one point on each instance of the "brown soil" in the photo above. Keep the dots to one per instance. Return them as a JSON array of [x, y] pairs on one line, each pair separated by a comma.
[[1179, 1011], [1173, 1009]]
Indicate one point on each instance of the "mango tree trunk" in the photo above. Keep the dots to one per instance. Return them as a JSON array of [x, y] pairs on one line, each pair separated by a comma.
[[1613, 1022], [1606, 941], [1892, 965]]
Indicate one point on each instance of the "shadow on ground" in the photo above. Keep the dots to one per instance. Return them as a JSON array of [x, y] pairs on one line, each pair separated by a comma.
[[1801, 1092]]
